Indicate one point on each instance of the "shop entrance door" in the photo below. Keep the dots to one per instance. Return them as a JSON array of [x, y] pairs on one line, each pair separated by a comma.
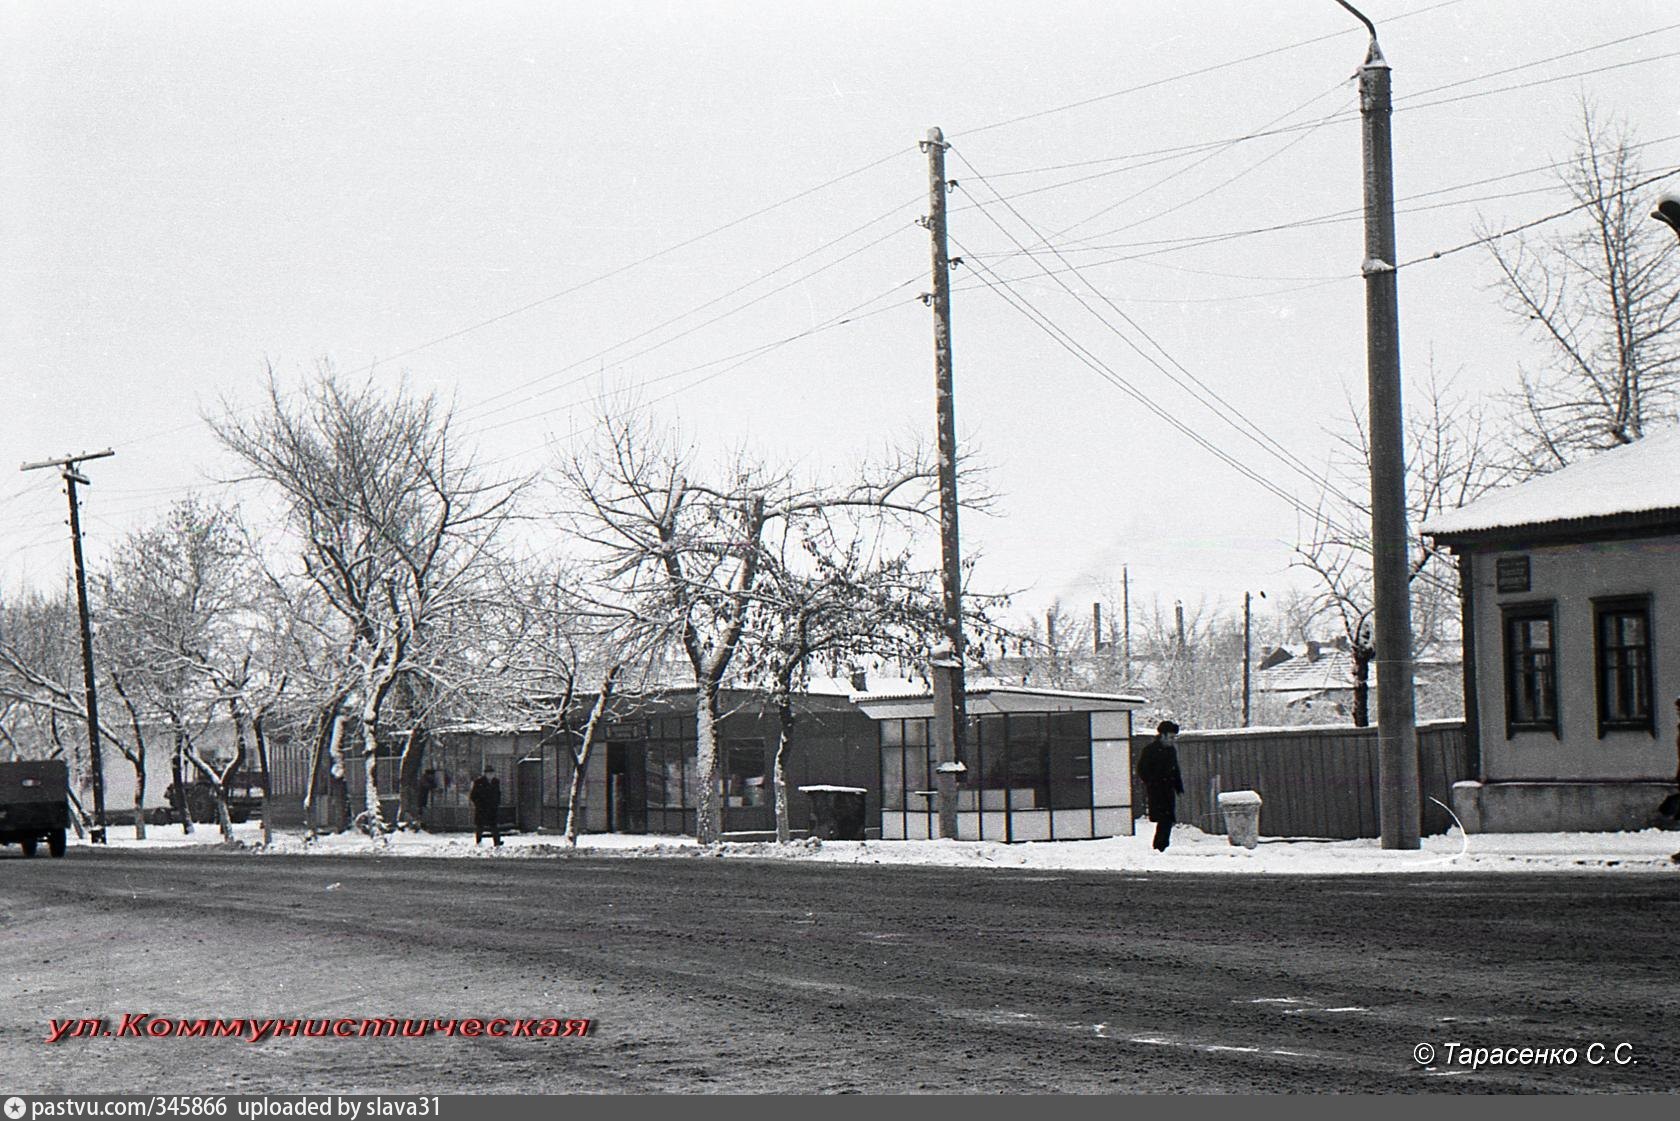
[[746, 788], [626, 788]]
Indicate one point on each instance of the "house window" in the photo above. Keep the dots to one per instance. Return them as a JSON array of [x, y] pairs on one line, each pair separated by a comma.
[[1530, 669], [1622, 664]]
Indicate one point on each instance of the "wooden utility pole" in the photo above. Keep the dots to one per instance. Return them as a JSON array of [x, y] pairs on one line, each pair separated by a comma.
[[1398, 804], [96, 763], [949, 726]]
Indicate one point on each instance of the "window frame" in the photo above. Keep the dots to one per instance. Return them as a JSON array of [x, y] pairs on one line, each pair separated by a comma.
[[1511, 613], [1604, 606]]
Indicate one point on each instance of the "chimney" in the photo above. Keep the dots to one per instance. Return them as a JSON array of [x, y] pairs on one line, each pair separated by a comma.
[[1313, 650], [1096, 628], [860, 680]]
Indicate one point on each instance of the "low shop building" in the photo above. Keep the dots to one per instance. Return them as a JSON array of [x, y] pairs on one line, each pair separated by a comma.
[[642, 776], [1571, 601], [1041, 765], [1038, 764]]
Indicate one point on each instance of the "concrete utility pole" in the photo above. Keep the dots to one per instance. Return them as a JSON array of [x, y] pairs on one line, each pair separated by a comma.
[[946, 666], [1398, 802], [67, 469]]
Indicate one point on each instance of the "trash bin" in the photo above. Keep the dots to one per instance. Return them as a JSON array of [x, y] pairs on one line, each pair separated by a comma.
[[1242, 817], [836, 812]]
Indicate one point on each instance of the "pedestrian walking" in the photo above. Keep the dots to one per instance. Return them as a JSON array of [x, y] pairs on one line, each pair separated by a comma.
[[485, 794], [1157, 766]]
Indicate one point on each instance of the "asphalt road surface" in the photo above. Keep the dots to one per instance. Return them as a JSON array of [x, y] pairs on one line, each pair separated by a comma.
[[703, 974]]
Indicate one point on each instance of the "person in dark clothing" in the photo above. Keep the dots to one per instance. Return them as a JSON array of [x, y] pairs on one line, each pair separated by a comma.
[[1157, 766], [485, 794]]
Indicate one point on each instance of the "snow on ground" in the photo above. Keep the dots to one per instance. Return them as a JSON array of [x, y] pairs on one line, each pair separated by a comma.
[[1191, 851]]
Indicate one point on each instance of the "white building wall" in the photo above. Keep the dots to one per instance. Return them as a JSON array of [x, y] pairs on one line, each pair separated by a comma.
[[1571, 577]]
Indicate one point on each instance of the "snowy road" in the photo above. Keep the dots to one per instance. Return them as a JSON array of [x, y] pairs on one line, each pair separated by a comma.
[[738, 975]]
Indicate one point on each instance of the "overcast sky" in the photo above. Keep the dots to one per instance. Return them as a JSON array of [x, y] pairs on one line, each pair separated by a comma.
[[521, 204]]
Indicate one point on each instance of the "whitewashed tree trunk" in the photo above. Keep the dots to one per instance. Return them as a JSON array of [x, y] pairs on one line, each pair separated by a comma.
[[373, 701], [139, 761], [708, 815], [581, 754]]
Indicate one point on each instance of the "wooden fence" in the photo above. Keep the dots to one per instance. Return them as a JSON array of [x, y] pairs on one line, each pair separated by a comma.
[[1315, 781]]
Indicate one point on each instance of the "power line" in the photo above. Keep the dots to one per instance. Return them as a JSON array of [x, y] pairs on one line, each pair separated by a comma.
[[1084, 244], [608, 275], [1181, 151], [1185, 75], [1439, 253], [1543, 61], [479, 407], [851, 315], [1219, 406], [1153, 247], [1214, 154], [698, 326], [1221, 185], [621, 269], [1046, 324]]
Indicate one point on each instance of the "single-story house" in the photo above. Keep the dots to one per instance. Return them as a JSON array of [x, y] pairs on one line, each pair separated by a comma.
[[1571, 600]]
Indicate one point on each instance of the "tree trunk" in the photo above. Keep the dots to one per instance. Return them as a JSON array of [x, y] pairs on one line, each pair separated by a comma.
[[708, 815], [136, 759], [223, 818], [408, 777], [268, 780], [580, 755], [1361, 688], [181, 777], [412, 694], [139, 761], [373, 817], [326, 733], [778, 769]]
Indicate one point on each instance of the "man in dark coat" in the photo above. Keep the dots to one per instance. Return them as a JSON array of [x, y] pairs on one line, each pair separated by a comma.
[[1157, 766], [485, 794]]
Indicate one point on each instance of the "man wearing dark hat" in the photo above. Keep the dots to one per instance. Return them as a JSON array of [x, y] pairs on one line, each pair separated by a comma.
[[1157, 766], [485, 794]]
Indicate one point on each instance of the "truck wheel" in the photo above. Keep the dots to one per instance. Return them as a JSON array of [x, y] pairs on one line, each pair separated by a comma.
[[28, 846], [55, 843]]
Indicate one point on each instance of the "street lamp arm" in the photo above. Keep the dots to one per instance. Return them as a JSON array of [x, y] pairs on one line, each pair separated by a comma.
[[1668, 212], [1374, 55]]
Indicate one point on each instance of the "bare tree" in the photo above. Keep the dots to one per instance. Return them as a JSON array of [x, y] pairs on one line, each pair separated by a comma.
[[174, 607], [392, 521], [1605, 299], [831, 591], [696, 551], [1453, 455], [559, 646], [41, 685]]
